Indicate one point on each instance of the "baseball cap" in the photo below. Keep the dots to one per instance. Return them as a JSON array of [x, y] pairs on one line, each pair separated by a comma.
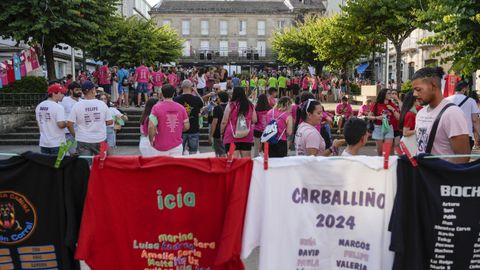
[[87, 85], [460, 85], [56, 88]]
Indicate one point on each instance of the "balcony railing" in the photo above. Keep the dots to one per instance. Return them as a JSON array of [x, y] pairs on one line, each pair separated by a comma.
[[21, 99], [237, 55]]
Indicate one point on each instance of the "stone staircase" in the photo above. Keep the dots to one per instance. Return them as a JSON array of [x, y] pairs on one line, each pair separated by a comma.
[[28, 133]]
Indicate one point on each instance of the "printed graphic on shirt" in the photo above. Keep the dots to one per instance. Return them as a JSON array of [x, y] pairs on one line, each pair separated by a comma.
[[38, 257], [422, 139], [188, 108], [172, 121], [17, 218]]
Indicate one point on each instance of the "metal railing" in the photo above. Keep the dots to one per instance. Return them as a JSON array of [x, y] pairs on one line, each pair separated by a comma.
[[21, 99]]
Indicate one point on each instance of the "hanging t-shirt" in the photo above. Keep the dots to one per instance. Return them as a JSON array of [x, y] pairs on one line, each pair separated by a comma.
[[40, 211], [34, 59], [16, 67], [435, 218], [90, 116], [48, 113], [316, 213], [136, 217]]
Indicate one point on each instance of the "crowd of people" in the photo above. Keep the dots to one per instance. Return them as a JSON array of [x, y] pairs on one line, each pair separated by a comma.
[[276, 107]]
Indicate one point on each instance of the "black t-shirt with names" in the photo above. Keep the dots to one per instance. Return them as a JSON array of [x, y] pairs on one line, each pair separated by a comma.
[[193, 105], [435, 221], [40, 211]]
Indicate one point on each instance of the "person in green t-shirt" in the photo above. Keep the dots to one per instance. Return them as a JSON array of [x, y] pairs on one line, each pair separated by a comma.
[[272, 82], [282, 85], [244, 82], [253, 87], [262, 83]]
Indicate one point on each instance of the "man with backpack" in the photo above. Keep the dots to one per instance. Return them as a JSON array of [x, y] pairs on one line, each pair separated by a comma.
[[441, 127], [469, 108]]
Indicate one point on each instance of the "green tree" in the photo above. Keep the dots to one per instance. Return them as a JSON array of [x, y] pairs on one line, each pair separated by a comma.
[[48, 23], [392, 19], [456, 24], [131, 41], [295, 45]]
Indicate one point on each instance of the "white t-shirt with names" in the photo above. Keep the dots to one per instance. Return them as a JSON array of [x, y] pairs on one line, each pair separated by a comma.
[[67, 103], [452, 123], [90, 116], [469, 107], [48, 113]]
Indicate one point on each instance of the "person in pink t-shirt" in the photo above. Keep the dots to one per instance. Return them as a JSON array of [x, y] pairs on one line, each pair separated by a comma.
[[282, 113], [239, 105], [343, 113], [104, 78], [142, 77], [173, 79], [308, 140], [157, 78], [167, 122], [262, 107], [452, 134], [306, 82], [146, 149]]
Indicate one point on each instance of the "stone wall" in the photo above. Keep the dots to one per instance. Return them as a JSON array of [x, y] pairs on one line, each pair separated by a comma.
[[13, 117]]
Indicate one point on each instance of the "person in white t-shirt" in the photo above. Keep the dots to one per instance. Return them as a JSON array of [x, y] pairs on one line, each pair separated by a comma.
[[451, 137], [74, 95], [91, 117], [469, 108], [117, 117], [356, 136], [51, 120]]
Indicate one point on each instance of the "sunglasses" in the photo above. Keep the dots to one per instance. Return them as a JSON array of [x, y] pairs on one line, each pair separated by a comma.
[[308, 103]]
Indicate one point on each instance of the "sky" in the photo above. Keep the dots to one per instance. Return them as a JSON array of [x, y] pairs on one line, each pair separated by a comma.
[[152, 2]]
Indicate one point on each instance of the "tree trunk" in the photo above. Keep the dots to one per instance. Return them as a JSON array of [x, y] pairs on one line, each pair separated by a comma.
[[373, 76], [319, 69], [48, 50], [398, 64], [84, 60]]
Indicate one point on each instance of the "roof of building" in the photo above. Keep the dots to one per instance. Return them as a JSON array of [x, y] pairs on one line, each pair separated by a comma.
[[249, 6]]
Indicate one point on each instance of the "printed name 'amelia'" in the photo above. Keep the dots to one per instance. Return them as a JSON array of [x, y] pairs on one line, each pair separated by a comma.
[[458, 191]]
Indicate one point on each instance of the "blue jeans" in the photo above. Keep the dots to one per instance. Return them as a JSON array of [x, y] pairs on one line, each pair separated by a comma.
[[49, 150], [111, 137], [192, 141]]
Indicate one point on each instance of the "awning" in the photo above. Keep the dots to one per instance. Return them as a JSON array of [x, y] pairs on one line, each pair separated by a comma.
[[362, 67]]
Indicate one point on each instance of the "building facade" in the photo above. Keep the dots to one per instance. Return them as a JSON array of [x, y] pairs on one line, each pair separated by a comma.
[[129, 8], [230, 32]]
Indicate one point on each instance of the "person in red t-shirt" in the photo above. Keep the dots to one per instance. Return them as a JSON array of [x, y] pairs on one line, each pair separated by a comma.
[[406, 123], [382, 114], [104, 77]]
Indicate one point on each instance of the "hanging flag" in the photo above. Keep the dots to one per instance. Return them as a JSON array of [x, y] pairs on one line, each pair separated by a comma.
[[16, 67], [10, 71], [23, 68], [34, 59], [28, 63], [3, 75]]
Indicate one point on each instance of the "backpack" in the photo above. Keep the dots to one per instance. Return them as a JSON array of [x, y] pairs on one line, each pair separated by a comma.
[[125, 80], [241, 127], [271, 130]]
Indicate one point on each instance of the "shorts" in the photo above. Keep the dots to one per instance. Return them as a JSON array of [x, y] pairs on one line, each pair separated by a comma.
[[257, 133], [53, 151], [157, 89], [147, 150], [397, 133], [240, 146], [107, 88], [142, 88], [219, 147], [278, 150], [379, 135], [191, 140], [111, 137], [123, 89]]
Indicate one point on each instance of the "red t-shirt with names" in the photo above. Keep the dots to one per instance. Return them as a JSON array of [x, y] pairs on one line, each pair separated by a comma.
[[164, 213]]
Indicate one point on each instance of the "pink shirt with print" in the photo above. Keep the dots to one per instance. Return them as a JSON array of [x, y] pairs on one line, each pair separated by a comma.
[[344, 109], [142, 74], [170, 116], [452, 123], [173, 80], [157, 78], [308, 137]]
